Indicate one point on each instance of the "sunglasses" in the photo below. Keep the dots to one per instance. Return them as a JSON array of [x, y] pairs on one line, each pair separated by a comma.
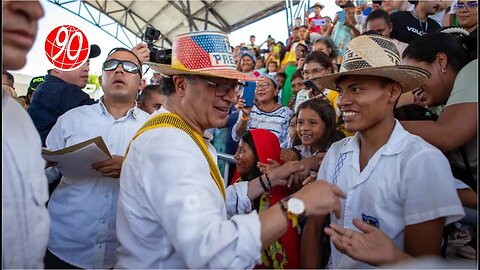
[[468, 5], [128, 66]]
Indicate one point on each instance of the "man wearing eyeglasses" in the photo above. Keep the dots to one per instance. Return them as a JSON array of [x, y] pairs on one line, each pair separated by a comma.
[[83, 208], [466, 12], [174, 210]]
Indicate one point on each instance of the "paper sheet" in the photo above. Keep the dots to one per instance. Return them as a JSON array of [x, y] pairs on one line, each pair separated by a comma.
[[77, 160]]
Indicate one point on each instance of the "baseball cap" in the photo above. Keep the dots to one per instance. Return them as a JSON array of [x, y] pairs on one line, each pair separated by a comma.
[[34, 82], [94, 51]]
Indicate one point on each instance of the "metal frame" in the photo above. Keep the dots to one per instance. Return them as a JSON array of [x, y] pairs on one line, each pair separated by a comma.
[[296, 9], [194, 19]]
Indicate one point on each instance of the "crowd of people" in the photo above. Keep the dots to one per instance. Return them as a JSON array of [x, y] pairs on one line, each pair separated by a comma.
[[357, 148]]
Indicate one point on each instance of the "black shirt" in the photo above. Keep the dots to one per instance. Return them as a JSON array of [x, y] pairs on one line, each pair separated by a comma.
[[407, 27], [51, 99]]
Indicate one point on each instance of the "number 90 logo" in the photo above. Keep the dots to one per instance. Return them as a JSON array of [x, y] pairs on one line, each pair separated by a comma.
[[67, 47]]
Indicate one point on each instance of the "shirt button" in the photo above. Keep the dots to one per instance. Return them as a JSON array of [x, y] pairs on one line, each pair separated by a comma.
[[103, 221]]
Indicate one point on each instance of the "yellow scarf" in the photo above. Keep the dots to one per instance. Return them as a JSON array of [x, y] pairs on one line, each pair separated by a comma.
[[173, 120]]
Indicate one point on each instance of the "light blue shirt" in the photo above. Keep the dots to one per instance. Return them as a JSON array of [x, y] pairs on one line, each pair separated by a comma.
[[83, 210]]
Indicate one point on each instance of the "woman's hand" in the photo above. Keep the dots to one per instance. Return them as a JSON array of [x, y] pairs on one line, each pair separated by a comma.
[[241, 106]]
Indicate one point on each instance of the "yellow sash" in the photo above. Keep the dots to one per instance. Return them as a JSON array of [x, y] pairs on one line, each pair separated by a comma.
[[173, 120]]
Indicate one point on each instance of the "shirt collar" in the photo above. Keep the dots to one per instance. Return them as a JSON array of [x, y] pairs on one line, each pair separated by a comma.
[[390, 148], [133, 111]]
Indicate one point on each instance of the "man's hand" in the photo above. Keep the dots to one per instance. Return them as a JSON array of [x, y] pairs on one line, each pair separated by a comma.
[[110, 168], [321, 198], [142, 52]]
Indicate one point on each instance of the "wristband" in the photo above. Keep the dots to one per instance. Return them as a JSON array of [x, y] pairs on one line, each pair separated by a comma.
[[245, 118], [268, 181], [262, 183]]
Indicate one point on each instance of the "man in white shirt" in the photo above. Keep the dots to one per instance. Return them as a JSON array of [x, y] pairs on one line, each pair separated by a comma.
[[83, 209], [395, 181], [25, 220], [173, 209]]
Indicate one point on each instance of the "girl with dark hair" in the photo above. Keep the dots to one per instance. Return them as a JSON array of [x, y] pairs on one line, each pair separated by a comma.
[[316, 130], [258, 145], [325, 44]]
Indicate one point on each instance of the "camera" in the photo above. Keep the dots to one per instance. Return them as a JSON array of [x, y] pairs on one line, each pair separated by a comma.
[[156, 55]]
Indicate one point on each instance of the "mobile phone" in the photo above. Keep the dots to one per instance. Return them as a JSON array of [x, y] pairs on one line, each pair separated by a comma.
[[320, 22], [312, 86], [249, 93], [341, 16], [310, 10]]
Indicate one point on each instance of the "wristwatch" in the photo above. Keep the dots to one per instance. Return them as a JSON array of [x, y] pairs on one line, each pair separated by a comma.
[[295, 210]]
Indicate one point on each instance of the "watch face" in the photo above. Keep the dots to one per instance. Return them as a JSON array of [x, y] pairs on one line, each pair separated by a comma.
[[296, 206]]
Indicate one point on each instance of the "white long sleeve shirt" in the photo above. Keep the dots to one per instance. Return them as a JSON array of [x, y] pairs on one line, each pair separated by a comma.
[[83, 210], [171, 214], [25, 220]]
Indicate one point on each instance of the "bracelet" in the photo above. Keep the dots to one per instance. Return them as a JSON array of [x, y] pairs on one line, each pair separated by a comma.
[[244, 118], [283, 206], [268, 179], [262, 183]]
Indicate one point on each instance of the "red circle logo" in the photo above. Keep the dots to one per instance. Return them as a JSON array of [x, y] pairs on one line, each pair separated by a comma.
[[67, 47]]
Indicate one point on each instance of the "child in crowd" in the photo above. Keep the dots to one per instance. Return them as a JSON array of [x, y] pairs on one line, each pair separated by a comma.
[[272, 68], [258, 145], [316, 129]]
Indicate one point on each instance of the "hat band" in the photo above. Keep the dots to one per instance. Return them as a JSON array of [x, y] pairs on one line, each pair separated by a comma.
[[202, 51]]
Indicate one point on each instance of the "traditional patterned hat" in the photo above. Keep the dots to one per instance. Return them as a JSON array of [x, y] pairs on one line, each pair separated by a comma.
[[376, 55], [202, 53]]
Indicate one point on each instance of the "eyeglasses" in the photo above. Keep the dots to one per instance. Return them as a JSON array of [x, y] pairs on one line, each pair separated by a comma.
[[222, 89], [468, 5], [314, 71], [263, 85], [128, 66]]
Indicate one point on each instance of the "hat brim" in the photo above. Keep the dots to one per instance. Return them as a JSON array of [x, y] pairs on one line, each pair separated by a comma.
[[409, 77], [221, 73]]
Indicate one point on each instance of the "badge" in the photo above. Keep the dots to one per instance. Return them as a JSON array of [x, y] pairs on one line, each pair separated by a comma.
[[370, 220]]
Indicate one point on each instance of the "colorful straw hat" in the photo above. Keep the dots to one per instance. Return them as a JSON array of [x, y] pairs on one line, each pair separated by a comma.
[[376, 55], [202, 53]]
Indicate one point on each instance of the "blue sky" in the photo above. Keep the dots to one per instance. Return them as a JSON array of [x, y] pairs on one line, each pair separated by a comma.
[[37, 63]]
